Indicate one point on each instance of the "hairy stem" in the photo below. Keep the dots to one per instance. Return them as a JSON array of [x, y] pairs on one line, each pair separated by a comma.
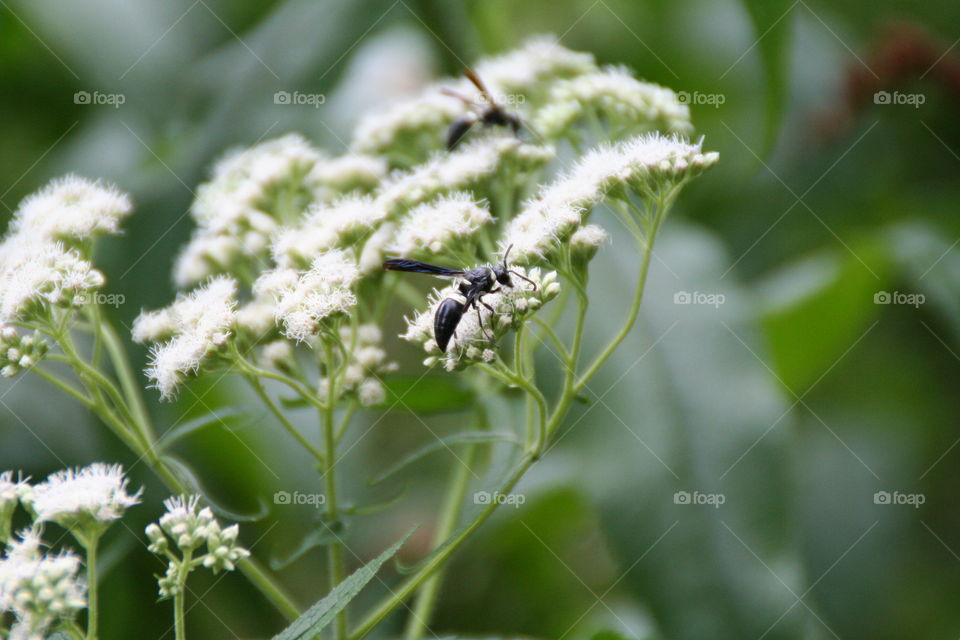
[[93, 609], [334, 548]]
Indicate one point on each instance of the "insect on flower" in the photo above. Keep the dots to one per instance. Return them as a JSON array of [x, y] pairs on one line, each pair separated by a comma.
[[477, 282], [488, 114]]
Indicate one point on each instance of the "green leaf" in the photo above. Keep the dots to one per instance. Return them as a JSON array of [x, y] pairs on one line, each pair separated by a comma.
[[316, 538], [428, 394], [317, 617], [190, 427], [443, 443], [817, 307], [771, 25], [189, 478]]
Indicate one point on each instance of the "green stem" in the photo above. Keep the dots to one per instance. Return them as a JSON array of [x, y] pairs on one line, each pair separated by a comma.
[[334, 548], [449, 515], [90, 546], [292, 430], [637, 299], [128, 380]]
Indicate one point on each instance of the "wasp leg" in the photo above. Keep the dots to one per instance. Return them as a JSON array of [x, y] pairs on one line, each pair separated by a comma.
[[486, 333]]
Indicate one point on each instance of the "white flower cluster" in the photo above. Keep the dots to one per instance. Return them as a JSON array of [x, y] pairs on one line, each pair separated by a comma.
[[448, 224], [538, 62], [187, 527], [71, 208], [649, 165], [19, 352], [611, 96], [85, 501], [343, 223], [471, 166], [195, 326], [302, 301], [38, 589], [368, 363], [346, 174], [410, 130], [475, 343], [250, 193]]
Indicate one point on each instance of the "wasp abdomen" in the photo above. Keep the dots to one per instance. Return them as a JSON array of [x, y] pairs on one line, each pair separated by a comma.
[[445, 321]]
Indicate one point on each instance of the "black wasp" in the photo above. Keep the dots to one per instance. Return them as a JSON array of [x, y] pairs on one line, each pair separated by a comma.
[[488, 114], [477, 282]]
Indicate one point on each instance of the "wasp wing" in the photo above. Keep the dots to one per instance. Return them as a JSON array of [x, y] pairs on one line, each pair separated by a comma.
[[415, 266]]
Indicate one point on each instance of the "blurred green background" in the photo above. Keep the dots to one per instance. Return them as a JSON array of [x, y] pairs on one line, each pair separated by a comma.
[[797, 399]]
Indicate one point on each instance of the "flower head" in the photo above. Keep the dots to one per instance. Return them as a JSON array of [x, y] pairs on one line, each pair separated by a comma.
[[448, 223], [36, 274], [10, 492], [19, 352], [71, 208], [612, 96], [39, 589], [348, 173], [304, 301], [327, 226], [78, 499], [196, 325]]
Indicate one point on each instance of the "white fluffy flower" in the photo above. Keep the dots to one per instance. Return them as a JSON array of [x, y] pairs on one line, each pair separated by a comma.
[[525, 70], [37, 588], [648, 164], [468, 167], [442, 224], [409, 127], [77, 497], [71, 208], [352, 172], [199, 323], [10, 492], [327, 226], [304, 301], [614, 96], [586, 240], [249, 194], [38, 273], [375, 248]]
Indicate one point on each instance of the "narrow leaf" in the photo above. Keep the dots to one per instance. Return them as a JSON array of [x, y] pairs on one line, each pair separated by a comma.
[[443, 443], [317, 617], [187, 477], [197, 424]]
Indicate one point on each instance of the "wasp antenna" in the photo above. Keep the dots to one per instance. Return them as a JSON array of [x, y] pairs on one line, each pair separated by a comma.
[[511, 271], [478, 83], [505, 254], [457, 95]]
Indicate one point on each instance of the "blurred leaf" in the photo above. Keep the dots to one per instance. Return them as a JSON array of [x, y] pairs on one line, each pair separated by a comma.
[[817, 307], [427, 394], [443, 443], [220, 417], [771, 25], [317, 617], [189, 478], [314, 539]]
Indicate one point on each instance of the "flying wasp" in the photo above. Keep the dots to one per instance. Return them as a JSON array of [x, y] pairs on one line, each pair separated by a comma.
[[477, 282], [489, 114]]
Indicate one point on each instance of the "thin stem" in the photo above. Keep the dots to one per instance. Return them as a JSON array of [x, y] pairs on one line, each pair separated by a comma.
[[449, 515], [637, 299], [90, 546], [334, 548], [179, 613], [345, 420], [128, 380], [275, 410], [64, 386]]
